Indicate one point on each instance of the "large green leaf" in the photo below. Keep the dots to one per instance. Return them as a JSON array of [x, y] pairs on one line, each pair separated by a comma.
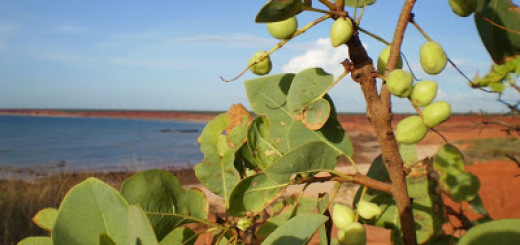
[[46, 218], [278, 10], [503, 232], [220, 140], [308, 86], [501, 44], [90, 209], [263, 150], [312, 157], [297, 230], [180, 236], [36, 240], [253, 194], [138, 228], [268, 97], [158, 191], [427, 205]]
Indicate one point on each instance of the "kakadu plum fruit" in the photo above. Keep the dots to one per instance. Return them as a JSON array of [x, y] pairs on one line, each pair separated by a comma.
[[399, 83], [283, 29], [383, 59], [341, 31], [262, 67], [463, 8], [342, 215], [423, 93], [436, 113], [433, 58], [410, 130], [354, 235], [368, 210]]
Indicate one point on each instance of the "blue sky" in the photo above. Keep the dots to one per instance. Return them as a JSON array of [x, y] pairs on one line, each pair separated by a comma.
[[168, 55]]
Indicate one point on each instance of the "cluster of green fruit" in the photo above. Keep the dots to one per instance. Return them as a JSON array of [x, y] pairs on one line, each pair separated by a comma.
[[459, 184], [400, 83], [340, 33], [281, 30], [351, 232]]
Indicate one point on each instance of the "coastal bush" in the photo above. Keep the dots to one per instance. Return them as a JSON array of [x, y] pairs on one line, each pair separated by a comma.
[[295, 139]]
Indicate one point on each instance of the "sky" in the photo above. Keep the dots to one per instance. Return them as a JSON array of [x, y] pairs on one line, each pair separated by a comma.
[[169, 55]]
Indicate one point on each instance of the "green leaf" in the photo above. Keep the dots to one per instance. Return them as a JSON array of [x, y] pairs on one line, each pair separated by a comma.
[[316, 114], [503, 232], [89, 209], [326, 228], [497, 87], [138, 227], [159, 191], [278, 10], [478, 206], [409, 154], [253, 194], [448, 156], [297, 230], [308, 86], [312, 157], [263, 150], [46, 218], [180, 236], [501, 44], [427, 206], [36, 240], [268, 97], [360, 3], [220, 140]]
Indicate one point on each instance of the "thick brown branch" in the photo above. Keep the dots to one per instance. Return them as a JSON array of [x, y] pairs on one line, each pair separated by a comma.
[[357, 178], [380, 115]]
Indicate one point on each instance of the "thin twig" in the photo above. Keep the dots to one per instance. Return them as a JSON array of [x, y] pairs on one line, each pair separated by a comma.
[[372, 35], [473, 85], [495, 24], [438, 133], [279, 45]]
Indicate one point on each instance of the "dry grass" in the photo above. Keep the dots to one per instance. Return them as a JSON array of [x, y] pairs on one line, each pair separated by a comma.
[[20, 200]]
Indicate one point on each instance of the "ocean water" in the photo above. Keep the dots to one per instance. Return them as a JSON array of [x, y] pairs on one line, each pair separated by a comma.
[[78, 143]]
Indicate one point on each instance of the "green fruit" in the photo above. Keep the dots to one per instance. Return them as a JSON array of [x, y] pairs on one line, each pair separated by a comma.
[[436, 113], [423, 93], [262, 67], [383, 59], [463, 8], [341, 31], [433, 58], [283, 29], [354, 235], [410, 130], [368, 210], [399, 83], [342, 216], [461, 185]]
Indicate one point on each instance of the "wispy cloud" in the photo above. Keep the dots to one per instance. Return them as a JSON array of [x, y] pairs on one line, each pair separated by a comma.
[[68, 28], [228, 40], [64, 57]]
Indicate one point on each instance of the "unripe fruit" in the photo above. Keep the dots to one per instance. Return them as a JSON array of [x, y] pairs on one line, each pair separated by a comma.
[[283, 29], [341, 31], [463, 8], [423, 93], [399, 83], [436, 113], [262, 67], [354, 235], [368, 210], [410, 130], [433, 58], [383, 59], [342, 216]]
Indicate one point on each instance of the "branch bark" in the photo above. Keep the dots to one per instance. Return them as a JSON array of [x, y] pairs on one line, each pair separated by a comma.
[[380, 115]]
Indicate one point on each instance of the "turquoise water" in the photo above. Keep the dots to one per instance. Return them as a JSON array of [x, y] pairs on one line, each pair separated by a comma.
[[40, 143]]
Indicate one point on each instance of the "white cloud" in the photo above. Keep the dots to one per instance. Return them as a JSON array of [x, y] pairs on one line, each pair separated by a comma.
[[320, 54], [228, 39]]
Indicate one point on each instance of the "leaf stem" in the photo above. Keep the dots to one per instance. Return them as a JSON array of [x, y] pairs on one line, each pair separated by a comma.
[[280, 45]]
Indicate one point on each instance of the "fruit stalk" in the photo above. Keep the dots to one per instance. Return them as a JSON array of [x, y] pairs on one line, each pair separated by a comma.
[[380, 115]]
